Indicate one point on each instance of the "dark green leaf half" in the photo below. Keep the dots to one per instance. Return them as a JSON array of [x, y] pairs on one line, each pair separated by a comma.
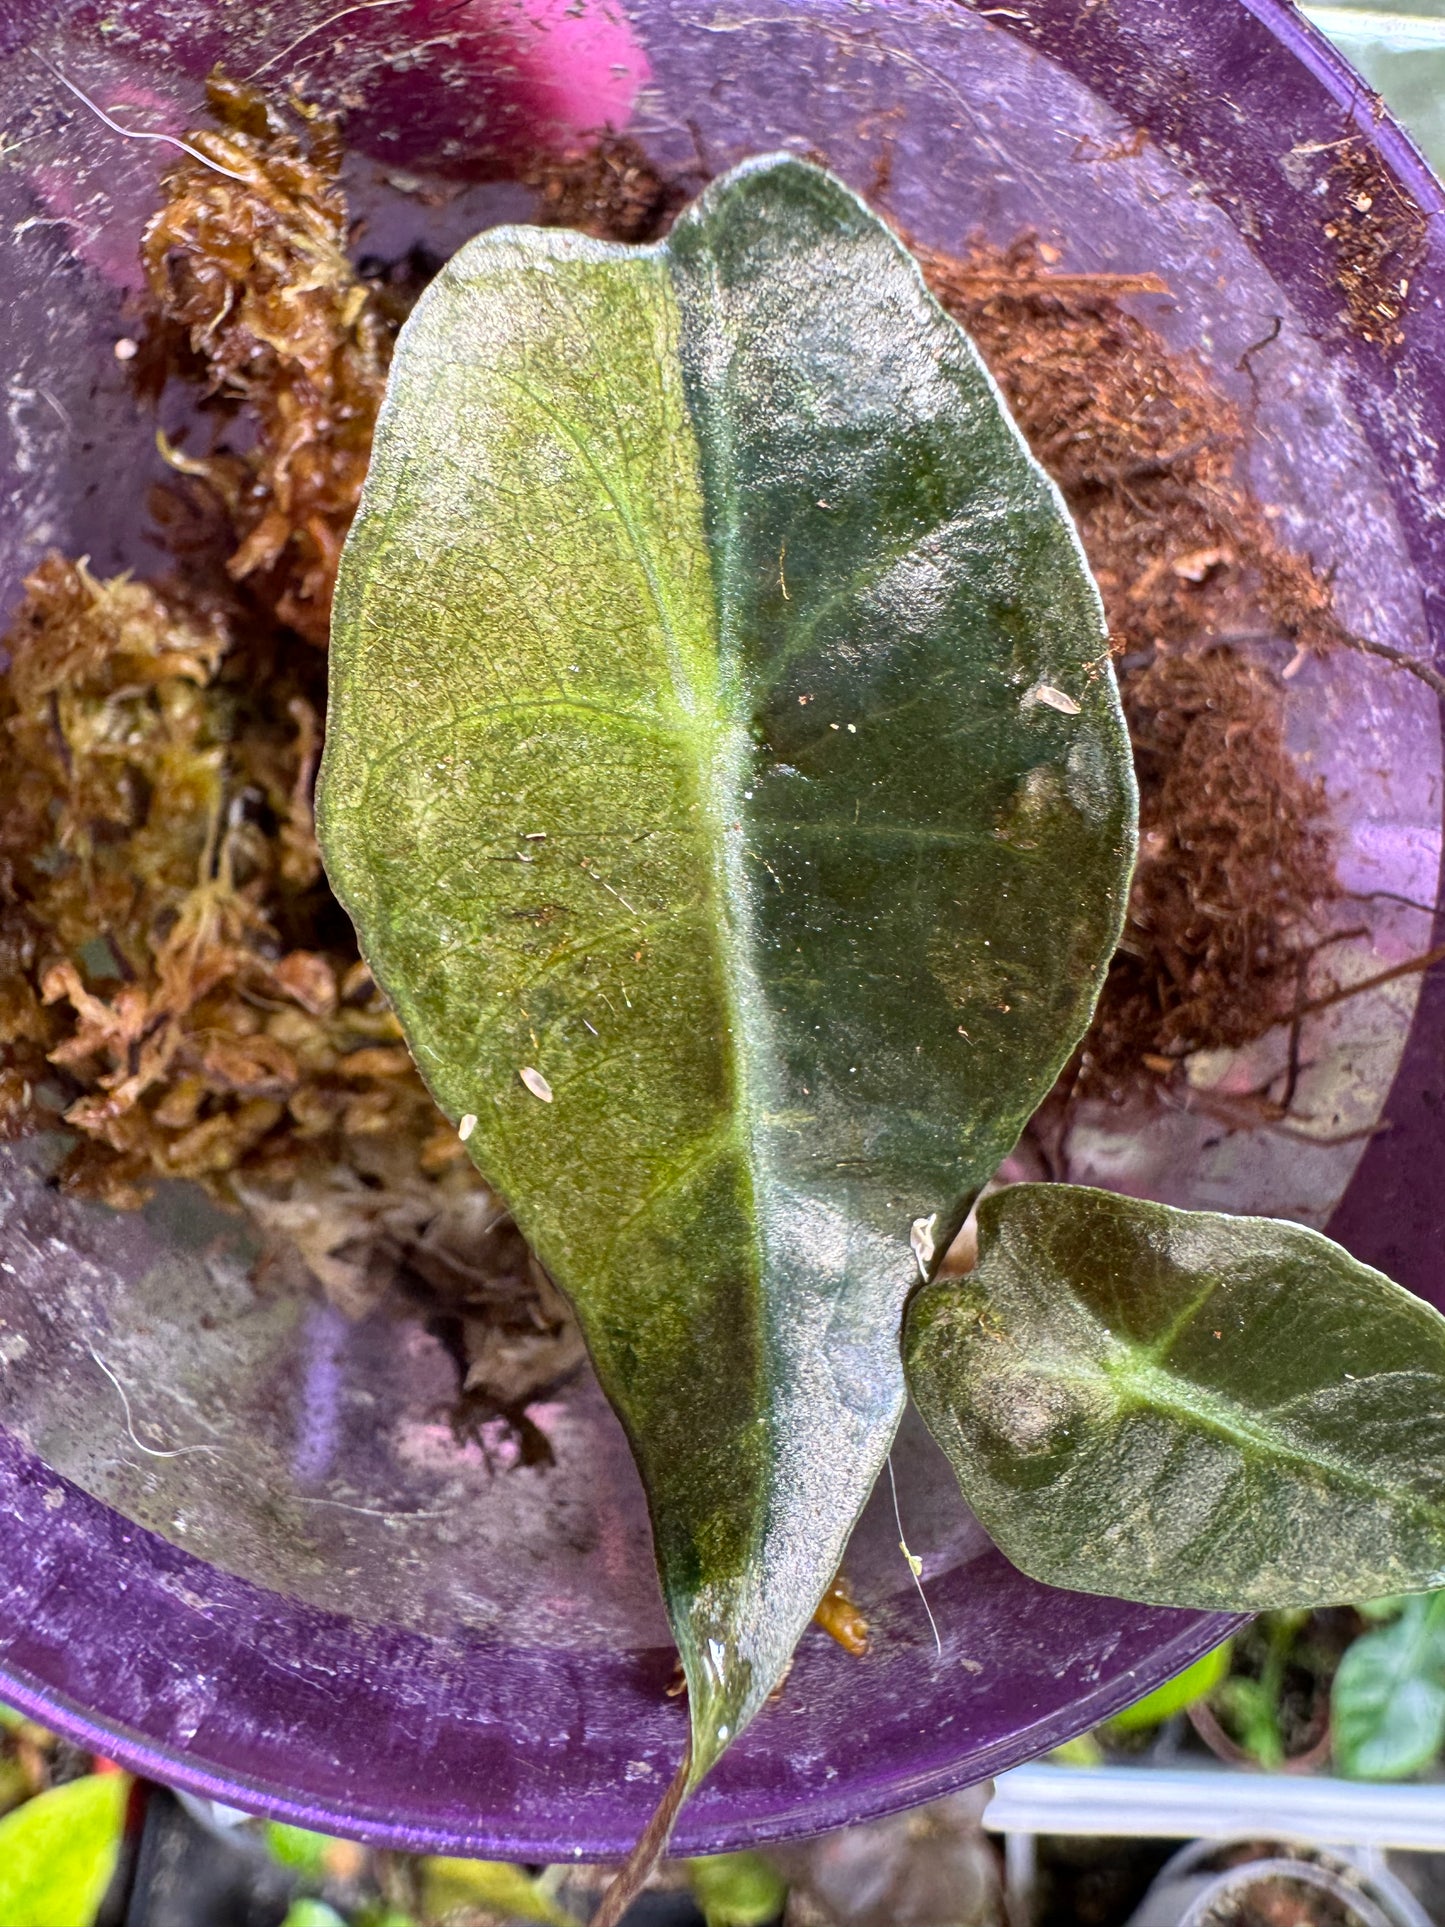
[[1186, 1409], [726, 778], [1387, 1704]]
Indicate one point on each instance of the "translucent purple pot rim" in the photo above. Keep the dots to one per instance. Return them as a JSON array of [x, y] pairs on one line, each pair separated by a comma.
[[101, 1621]]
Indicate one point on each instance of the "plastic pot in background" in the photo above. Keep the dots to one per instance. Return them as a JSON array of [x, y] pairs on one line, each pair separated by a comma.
[[1214, 1883], [244, 1552]]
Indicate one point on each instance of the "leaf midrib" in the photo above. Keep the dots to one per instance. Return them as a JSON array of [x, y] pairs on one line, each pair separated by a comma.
[[1144, 1387], [722, 777], [715, 750]]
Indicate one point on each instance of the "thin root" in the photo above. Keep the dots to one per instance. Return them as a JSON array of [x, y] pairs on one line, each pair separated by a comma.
[[136, 133]]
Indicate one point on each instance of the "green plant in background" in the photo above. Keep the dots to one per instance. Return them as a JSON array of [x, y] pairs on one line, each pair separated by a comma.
[[1252, 1706], [1178, 1694], [1387, 1708], [307, 1912], [298, 1848], [737, 1889], [445, 1888], [58, 1852], [727, 779], [448, 1885]]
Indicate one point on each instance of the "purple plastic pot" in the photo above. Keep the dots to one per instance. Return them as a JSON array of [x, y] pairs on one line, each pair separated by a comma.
[[241, 1550]]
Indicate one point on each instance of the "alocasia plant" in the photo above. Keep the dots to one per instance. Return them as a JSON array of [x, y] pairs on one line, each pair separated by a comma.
[[726, 775]]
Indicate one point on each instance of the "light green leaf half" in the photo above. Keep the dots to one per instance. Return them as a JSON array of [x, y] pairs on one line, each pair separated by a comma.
[[58, 1852], [1387, 1704], [1186, 1409], [726, 777]]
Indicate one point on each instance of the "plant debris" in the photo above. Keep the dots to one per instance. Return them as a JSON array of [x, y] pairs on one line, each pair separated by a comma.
[[1379, 238], [253, 273], [500, 1317], [615, 193]]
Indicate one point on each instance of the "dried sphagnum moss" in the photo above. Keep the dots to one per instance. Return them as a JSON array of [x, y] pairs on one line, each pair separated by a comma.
[[156, 835], [254, 273], [177, 986]]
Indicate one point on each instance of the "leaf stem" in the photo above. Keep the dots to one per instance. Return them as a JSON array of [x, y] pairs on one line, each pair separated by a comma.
[[632, 1876]]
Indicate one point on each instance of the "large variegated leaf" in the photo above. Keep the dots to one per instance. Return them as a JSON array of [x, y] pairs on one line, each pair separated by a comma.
[[1186, 1409], [726, 777]]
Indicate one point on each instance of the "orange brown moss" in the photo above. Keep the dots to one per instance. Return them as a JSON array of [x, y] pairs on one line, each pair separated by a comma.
[[253, 273], [155, 835], [1236, 851]]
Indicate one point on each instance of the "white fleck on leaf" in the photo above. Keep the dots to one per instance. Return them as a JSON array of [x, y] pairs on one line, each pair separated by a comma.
[[536, 1083], [467, 1125], [1045, 692]]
